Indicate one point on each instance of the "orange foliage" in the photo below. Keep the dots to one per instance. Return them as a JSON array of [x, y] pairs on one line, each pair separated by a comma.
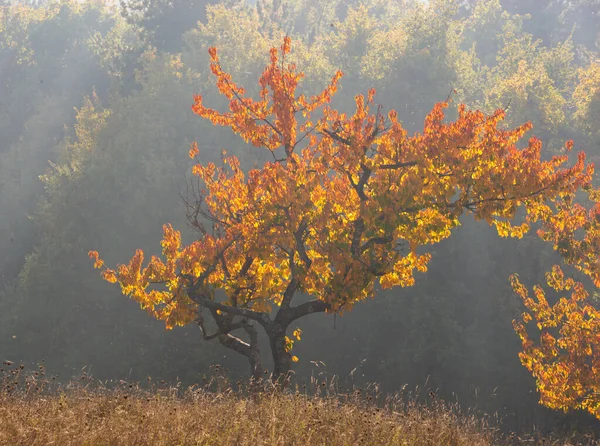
[[348, 199], [566, 359]]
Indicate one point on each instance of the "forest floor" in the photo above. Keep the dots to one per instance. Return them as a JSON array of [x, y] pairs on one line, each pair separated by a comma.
[[35, 411]]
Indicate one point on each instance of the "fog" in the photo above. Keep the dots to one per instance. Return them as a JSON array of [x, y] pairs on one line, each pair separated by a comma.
[[95, 128]]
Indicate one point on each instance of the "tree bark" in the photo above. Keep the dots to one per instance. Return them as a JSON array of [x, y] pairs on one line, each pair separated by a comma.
[[276, 331], [224, 317], [226, 325], [282, 359], [250, 351]]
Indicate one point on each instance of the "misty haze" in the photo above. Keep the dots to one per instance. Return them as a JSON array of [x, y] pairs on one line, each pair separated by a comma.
[[290, 222]]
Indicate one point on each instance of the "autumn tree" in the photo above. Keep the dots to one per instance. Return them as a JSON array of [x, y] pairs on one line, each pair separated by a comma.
[[348, 201], [565, 356]]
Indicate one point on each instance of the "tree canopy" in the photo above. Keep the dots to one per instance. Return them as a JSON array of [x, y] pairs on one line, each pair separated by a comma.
[[565, 359], [349, 200]]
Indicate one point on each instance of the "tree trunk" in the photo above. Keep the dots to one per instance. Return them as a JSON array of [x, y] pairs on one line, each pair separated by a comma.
[[282, 360], [275, 329], [250, 352], [249, 349]]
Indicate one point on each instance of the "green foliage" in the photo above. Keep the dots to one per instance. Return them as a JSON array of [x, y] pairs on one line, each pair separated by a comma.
[[161, 23], [586, 102], [45, 67], [119, 165]]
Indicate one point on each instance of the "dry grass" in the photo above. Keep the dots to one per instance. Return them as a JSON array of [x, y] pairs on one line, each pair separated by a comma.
[[35, 411]]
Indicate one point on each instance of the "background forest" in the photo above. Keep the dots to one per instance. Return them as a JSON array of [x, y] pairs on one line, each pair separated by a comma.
[[95, 127]]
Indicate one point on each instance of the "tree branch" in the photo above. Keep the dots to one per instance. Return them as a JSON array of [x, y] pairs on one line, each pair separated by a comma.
[[397, 165], [249, 350], [485, 200], [337, 137], [306, 308], [258, 316], [360, 187], [298, 236], [250, 331], [220, 331], [359, 228], [375, 241], [288, 294]]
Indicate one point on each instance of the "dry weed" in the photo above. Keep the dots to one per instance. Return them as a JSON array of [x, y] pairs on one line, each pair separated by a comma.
[[34, 410]]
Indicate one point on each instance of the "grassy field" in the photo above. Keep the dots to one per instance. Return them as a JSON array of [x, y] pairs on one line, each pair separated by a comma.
[[36, 411]]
